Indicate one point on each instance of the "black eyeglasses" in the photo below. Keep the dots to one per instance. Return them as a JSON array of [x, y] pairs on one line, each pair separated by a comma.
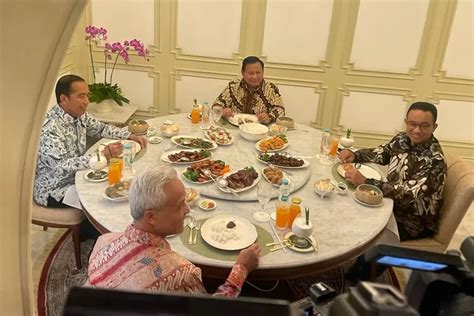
[[423, 126]]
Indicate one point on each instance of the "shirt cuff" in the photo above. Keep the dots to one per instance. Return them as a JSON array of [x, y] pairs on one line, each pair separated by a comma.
[[238, 275]]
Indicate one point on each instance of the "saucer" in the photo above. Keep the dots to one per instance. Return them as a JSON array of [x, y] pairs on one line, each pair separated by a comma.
[[103, 176], [294, 248], [155, 140], [207, 204]]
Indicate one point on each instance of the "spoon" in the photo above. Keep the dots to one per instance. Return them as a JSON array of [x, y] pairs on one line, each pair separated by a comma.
[[223, 184], [191, 225], [208, 174], [285, 243], [299, 242]]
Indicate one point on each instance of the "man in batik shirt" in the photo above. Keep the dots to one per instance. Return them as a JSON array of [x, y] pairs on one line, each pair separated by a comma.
[[62, 144], [252, 94], [141, 258], [416, 172]]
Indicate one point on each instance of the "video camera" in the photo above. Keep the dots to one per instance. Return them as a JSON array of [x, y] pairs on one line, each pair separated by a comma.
[[440, 284]]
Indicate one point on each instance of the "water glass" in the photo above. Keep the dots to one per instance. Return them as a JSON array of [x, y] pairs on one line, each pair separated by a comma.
[[217, 113]]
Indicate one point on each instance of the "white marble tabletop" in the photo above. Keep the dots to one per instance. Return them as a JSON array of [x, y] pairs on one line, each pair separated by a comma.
[[340, 224]]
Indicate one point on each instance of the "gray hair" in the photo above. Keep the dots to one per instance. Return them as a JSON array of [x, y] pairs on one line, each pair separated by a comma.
[[146, 191]]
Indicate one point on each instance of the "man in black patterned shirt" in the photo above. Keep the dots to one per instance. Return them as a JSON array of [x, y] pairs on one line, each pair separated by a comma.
[[416, 172]]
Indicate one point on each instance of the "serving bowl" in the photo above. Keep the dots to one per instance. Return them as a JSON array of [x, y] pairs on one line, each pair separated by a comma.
[[276, 129], [369, 194], [323, 187], [253, 131], [137, 126], [169, 130], [285, 121]]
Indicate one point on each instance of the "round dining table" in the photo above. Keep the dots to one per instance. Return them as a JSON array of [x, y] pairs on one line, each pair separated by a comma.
[[342, 228]]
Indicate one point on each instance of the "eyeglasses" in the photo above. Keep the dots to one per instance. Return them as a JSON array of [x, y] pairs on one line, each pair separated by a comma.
[[423, 126]]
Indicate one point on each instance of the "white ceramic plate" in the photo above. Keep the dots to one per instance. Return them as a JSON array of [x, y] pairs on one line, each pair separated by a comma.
[[103, 178], [255, 181], [294, 248], [244, 230], [235, 120], [366, 171], [155, 140], [164, 157], [365, 204], [116, 199], [257, 146], [274, 184], [204, 204], [174, 141], [304, 165], [209, 135], [136, 147]]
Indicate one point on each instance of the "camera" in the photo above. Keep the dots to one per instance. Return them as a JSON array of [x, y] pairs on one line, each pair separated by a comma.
[[440, 284]]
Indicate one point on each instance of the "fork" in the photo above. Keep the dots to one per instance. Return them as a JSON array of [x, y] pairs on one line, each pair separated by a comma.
[[196, 233]]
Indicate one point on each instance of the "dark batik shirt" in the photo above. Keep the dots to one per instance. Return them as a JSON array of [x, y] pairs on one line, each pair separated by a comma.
[[265, 98], [415, 180]]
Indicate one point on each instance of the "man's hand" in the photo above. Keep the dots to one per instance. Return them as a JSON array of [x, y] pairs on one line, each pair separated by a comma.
[[226, 113], [249, 257], [346, 156], [112, 150], [355, 177], [263, 118], [139, 139]]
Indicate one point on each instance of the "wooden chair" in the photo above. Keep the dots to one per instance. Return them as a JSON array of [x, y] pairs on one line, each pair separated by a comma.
[[458, 195], [69, 218]]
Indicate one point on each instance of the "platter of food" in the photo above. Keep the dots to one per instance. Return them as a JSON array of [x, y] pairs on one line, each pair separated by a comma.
[[241, 118], [196, 174], [282, 161], [228, 232], [219, 135], [241, 180], [273, 175], [272, 144], [117, 192], [366, 170], [192, 142], [183, 157]]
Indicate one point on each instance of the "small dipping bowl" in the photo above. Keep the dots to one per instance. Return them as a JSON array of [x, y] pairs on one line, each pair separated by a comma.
[[341, 188]]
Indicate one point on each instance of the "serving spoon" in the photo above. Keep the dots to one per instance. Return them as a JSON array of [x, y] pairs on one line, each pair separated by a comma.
[[223, 184]]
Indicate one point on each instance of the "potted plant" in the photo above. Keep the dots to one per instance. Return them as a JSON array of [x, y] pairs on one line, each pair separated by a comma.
[[347, 141], [107, 92]]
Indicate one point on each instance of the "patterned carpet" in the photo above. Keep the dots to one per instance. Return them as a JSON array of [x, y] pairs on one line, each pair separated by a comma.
[[59, 275]]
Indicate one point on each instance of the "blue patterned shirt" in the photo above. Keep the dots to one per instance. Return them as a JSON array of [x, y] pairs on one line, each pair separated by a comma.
[[62, 150]]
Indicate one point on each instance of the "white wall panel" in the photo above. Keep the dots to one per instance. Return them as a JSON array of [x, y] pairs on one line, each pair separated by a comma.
[[304, 40], [388, 34], [136, 86], [459, 60], [125, 19], [372, 112], [209, 27], [455, 120], [301, 103], [190, 87]]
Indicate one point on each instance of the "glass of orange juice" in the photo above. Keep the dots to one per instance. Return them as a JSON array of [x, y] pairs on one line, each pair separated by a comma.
[[115, 170], [334, 146], [282, 214], [295, 210]]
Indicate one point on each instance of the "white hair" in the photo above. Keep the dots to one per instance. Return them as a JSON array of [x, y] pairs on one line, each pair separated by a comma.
[[146, 191]]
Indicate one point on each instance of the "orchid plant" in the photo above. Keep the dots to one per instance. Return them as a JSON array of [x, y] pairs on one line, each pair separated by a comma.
[[99, 92]]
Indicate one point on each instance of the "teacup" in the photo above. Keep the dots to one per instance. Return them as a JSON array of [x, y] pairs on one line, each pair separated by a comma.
[[151, 131], [301, 229]]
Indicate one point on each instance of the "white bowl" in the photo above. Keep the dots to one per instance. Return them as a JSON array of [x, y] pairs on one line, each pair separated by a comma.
[[369, 194], [169, 130], [324, 187], [253, 131]]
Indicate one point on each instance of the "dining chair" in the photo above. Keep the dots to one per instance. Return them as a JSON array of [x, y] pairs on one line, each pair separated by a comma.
[[458, 196], [69, 218]]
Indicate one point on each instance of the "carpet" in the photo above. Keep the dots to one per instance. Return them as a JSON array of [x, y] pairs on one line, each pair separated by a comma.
[[59, 275]]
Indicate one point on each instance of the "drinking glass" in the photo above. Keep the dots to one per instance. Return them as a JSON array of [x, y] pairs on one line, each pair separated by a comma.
[[264, 194], [326, 144], [216, 113]]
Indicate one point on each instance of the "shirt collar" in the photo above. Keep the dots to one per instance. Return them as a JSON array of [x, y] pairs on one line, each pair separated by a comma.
[[143, 237], [64, 115]]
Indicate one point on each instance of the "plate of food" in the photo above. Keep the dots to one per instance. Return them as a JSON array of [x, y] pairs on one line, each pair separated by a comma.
[[193, 142], [366, 171], [219, 135], [274, 175], [207, 204], [228, 232], [283, 161], [136, 147], [183, 157], [196, 172], [117, 192], [97, 176], [192, 196], [241, 180], [241, 118], [272, 144]]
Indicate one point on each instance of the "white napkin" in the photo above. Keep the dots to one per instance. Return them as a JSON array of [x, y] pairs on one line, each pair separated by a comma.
[[71, 198]]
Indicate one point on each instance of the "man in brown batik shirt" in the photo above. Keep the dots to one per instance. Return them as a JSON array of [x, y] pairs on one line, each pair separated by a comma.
[[252, 94], [416, 172]]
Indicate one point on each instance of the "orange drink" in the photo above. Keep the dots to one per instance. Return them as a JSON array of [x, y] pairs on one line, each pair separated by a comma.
[[295, 210], [282, 215], [195, 115], [115, 170], [334, 146]]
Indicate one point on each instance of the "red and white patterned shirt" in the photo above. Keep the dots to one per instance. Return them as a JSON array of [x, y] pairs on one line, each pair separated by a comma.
[[141, 261]]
